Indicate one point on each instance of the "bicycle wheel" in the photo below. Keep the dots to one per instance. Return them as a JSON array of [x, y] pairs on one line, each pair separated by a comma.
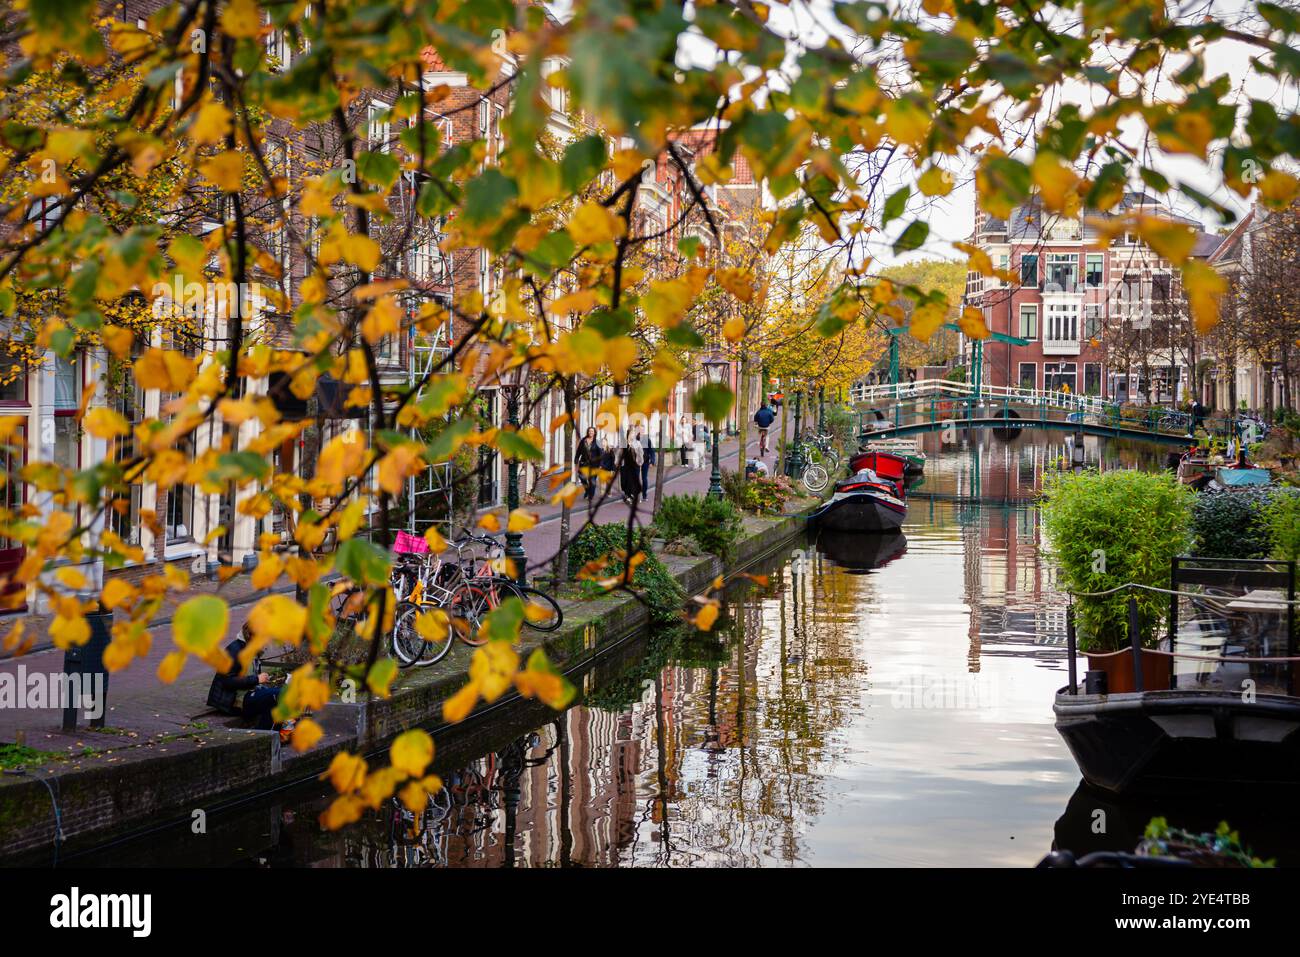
[[468, 606], [815, 478], [548, 620], [431, 652], [346, 605], [405, 641]]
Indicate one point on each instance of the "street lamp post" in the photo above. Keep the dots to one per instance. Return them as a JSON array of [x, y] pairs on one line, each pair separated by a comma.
[[794, 457], [514, 540], [715, 369]]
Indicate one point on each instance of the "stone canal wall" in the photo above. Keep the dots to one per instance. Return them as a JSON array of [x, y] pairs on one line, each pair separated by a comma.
[[66, 806]]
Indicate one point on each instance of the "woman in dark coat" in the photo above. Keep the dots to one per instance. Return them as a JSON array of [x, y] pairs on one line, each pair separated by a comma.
[[629, 467], [588, 456]]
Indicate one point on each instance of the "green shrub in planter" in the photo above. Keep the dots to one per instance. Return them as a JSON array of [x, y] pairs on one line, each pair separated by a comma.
[[713, 523], [1283, 520], [663, 595], [1105, 529], [1232, 524]]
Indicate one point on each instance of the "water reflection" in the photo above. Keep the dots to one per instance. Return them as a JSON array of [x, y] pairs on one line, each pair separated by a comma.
[[881, 705]]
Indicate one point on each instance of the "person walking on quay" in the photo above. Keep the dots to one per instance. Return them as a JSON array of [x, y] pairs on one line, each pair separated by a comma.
[[609, 460], [588, 456], [629, 467], [763, 418], [647, 460], [685, 438], [700, 446]]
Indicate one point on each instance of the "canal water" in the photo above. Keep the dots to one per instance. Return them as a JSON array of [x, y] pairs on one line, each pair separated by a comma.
[[887, 704]]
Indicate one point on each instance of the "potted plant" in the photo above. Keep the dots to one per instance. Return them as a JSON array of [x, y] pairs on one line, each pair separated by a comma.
[[1107, 529]]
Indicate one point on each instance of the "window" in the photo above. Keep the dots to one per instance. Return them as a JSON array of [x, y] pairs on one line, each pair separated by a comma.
[[1061, 271], [180, 504], [1092, 378], [13, 380], [1093, 276], [427, 263], [1029, 270], [1028, 321], [279, 48], [67, 401], [1061, 322], [378, 128], [1091, 320], [1029, 375], [1161, 287], [1063, 230], [1057, 376], [126, 398]]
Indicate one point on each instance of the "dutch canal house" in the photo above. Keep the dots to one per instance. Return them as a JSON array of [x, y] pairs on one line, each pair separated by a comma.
[[201, 528], [1102, 317]]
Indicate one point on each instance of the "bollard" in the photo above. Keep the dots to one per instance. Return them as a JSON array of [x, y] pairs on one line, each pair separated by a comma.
[[1094, 682], [85, 662], [1070, 649]]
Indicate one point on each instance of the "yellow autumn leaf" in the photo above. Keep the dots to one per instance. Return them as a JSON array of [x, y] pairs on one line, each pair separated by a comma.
[[382, 319], [211, 123], [935, 181], [71, 577], [225, 171], [458, 706], [520, 520], [361, 251], [117, 340], [1277, 189], [706, 616], [972, 323], [411, 752], [433, 626], [305, 734], [1057, 184], [492, 668], [592, 223], [342, 458], [437, 544], [398, 465], [169, 669], [267, 571], [116, 593], [1204, 286], [278, 618], [490, 522], [620, 355], [241, 18], [738, 282], [734, 329], [346, 772], [926, 320]]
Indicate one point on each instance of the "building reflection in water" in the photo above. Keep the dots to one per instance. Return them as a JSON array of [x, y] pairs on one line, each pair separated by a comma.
[[787, 735]]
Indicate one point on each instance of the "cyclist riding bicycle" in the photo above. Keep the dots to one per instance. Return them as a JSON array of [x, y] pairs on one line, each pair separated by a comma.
[[763, 418]]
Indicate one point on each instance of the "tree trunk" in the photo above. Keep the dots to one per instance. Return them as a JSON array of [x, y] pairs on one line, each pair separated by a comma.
[[742, 412], [659, 458], [559, 569]]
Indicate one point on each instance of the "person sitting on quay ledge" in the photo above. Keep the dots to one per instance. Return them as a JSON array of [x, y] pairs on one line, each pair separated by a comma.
[[259, 696]]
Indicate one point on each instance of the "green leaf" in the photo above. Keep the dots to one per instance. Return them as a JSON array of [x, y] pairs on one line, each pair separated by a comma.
[[199, 624], [504, 621], [515, 446], [583, 160], [713, 400], [610, 323], [487, 196], [378, 168], [913, 237], [362, 561], [895, 205]]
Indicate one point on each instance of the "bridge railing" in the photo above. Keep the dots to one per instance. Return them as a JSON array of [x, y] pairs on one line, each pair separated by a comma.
[[936, 407]]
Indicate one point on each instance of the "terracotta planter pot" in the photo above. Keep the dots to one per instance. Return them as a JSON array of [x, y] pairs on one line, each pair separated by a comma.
[[1119, 671]]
